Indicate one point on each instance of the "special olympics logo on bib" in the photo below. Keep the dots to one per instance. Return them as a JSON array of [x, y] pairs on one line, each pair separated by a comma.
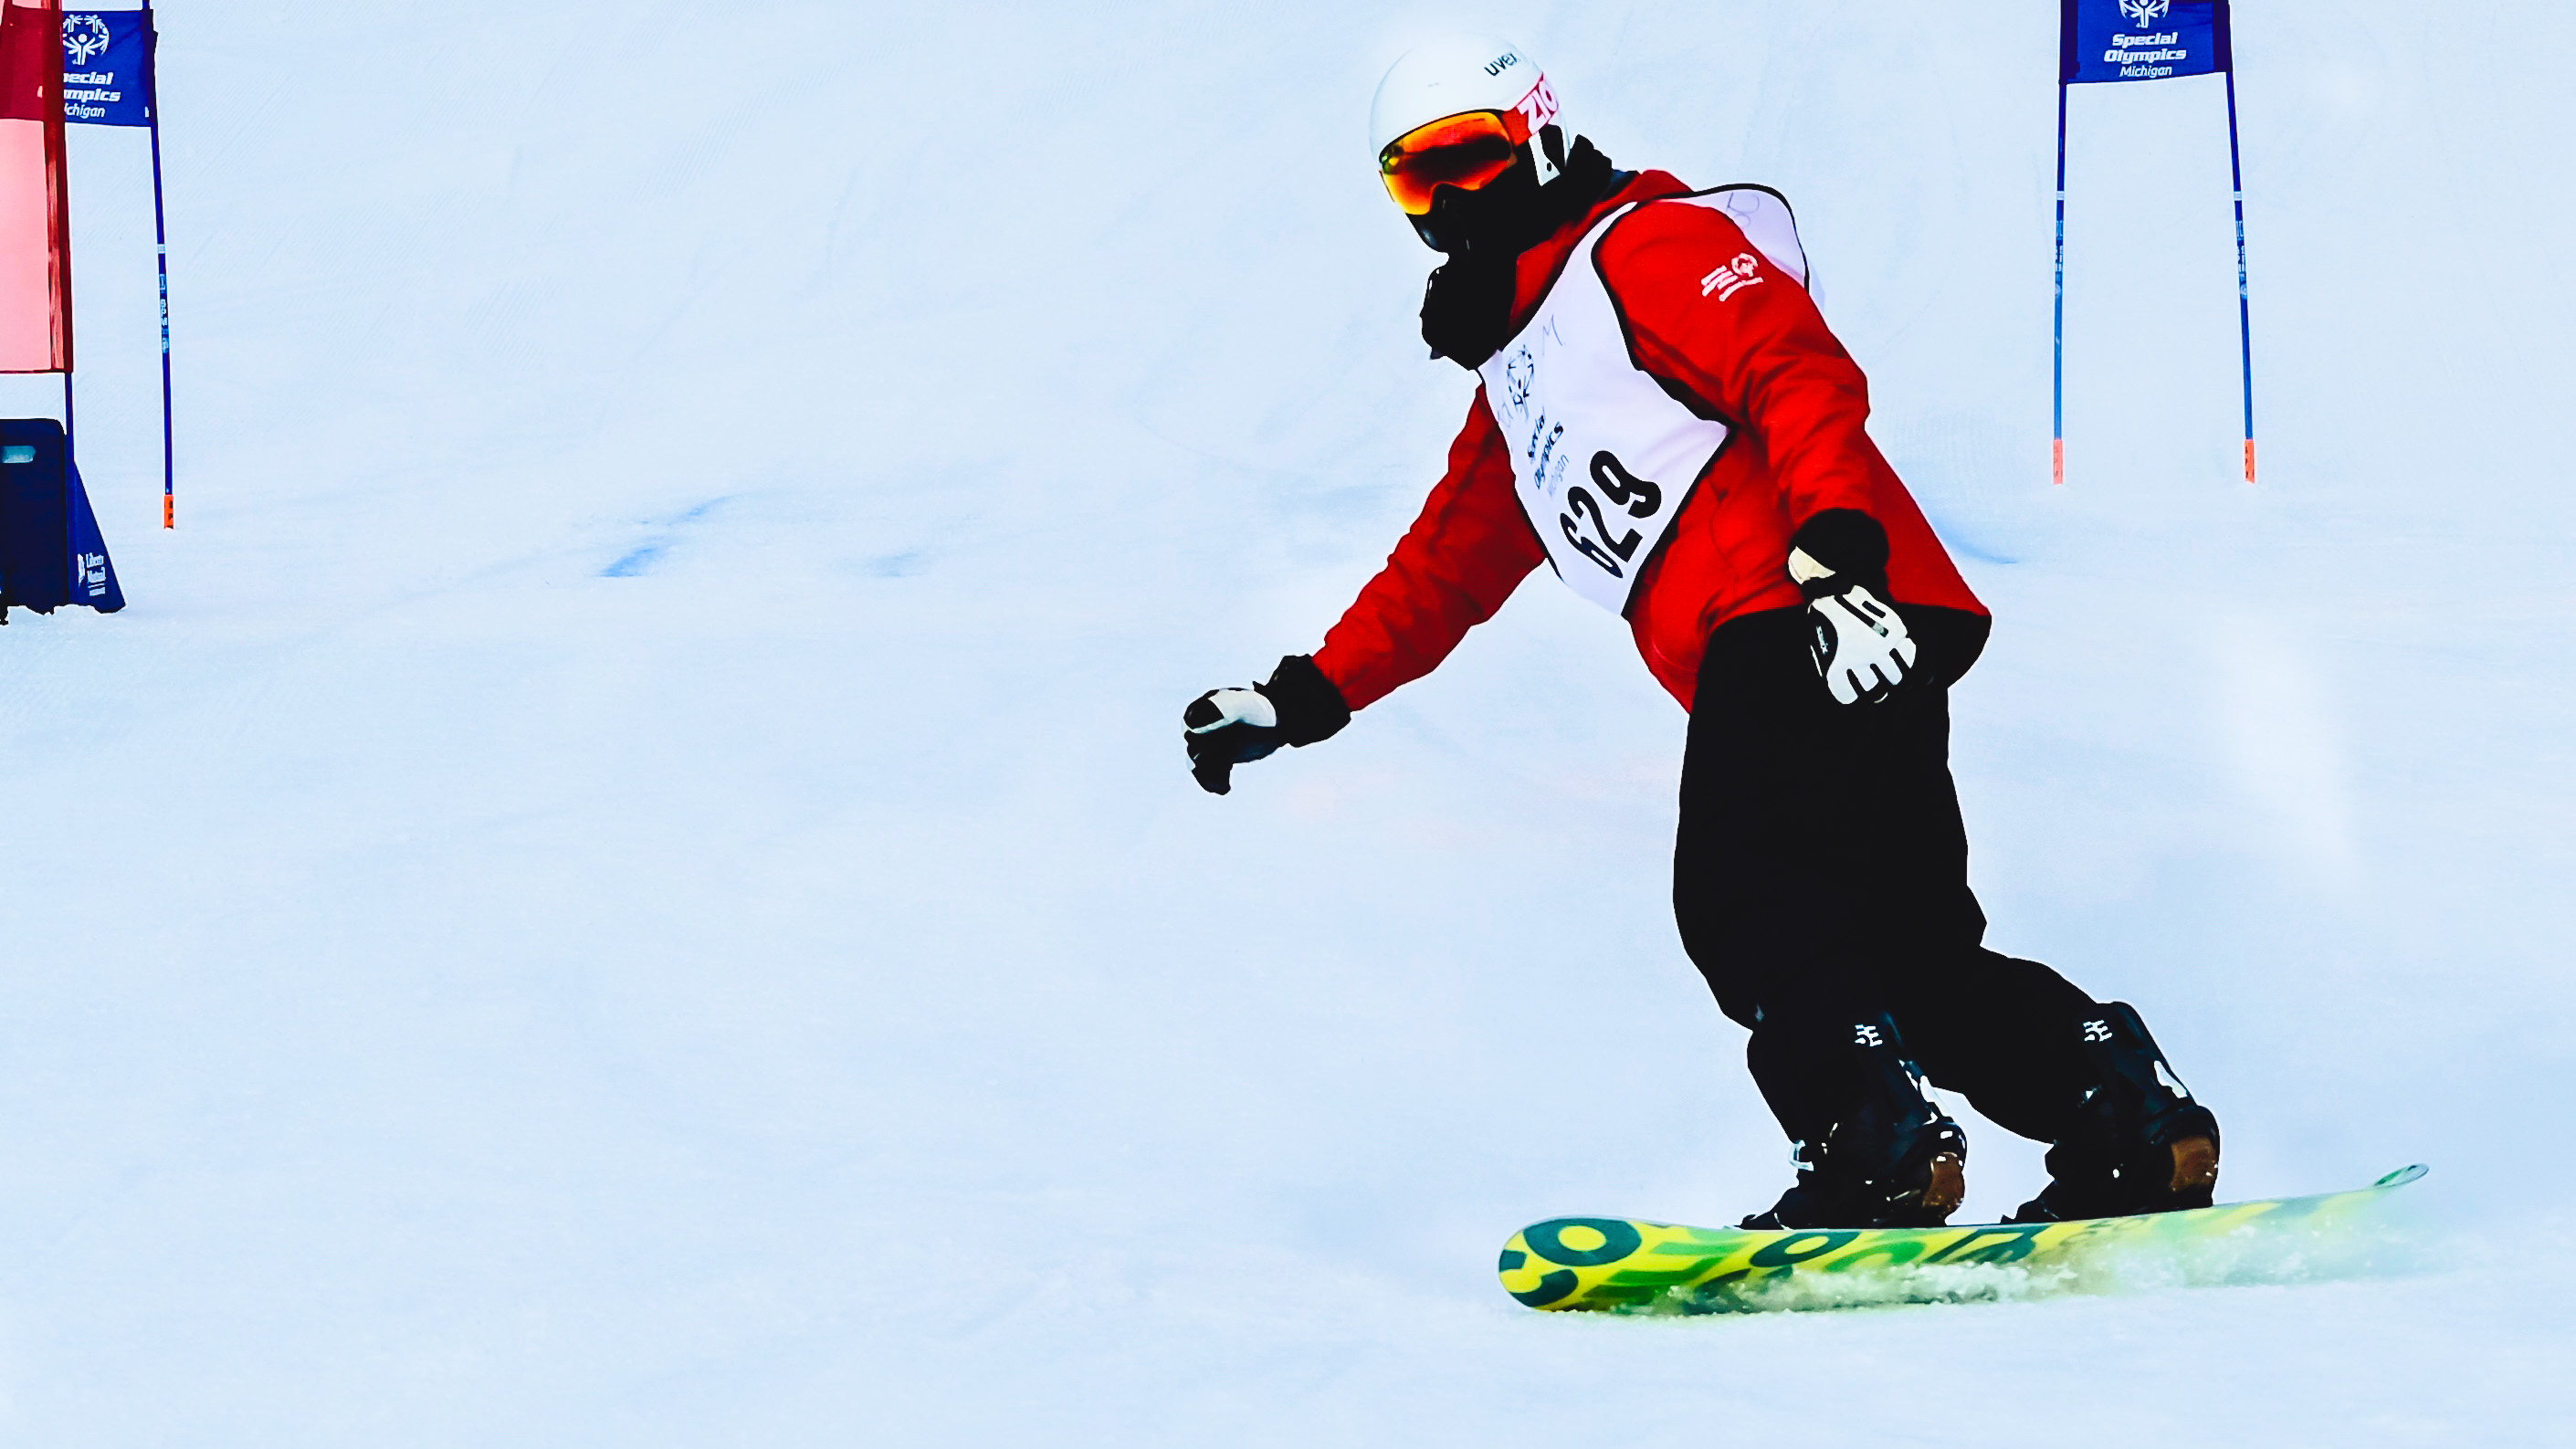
[[85, 38], [1518, 374], [2145, 13]]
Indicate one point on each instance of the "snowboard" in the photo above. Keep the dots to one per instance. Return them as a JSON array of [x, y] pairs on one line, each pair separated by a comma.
[[1625, 1264]]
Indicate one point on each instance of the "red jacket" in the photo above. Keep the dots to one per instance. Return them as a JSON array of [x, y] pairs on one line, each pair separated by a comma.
[[1762, 362]]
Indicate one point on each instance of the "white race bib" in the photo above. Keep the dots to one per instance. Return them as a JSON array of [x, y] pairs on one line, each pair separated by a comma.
[[1602, 457]]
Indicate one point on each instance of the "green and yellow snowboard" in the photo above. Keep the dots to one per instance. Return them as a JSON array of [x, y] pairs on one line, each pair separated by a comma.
[[1623, 1264]]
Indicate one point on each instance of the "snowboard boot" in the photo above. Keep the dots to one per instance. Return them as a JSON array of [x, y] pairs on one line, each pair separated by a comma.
[[1893, 1160], [2140, 1144]]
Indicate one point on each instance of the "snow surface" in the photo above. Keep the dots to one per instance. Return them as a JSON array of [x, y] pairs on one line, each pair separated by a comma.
[[628, 877]]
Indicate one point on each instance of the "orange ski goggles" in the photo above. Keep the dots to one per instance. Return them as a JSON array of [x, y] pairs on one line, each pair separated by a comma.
[[1468, 150]]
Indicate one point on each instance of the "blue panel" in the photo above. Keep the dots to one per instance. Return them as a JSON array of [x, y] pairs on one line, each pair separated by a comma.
[[2132, 40], [92, 577], [104, 54], [35, 529], [50, 550]]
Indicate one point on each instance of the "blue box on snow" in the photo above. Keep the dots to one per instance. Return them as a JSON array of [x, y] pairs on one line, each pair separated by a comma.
[[51, 553]]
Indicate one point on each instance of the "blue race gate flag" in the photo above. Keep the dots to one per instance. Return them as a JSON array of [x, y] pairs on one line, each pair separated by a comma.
[[2107, 41], [109, 63], [104, 54], [2126, 40]]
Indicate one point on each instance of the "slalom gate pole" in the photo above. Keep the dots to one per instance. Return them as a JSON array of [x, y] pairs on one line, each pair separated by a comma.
[[2244, 307], [69, 452], [161, 252], [2057, 434]]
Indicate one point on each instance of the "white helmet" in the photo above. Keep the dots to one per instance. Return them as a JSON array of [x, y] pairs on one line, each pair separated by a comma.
[[1461, 74]]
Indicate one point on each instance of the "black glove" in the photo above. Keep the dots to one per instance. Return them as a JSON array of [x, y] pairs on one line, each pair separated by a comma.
[[1226, 727], [1838, 559]]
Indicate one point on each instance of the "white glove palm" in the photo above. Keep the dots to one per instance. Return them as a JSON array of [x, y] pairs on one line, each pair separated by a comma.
[[1860, 645], [1226, 728], [1229, 707]]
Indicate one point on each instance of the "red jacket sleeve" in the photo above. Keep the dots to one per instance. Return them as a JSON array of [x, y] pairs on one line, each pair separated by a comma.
[[1462, 558], [1753, 349]]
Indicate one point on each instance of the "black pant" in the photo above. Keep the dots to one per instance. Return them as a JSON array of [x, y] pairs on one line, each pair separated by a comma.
[[1821, 877]]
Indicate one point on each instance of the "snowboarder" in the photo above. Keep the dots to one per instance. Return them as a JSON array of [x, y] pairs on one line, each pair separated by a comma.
[[1665, 420]]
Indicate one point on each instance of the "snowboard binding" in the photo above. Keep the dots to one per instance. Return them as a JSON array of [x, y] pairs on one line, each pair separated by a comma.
[[2140, 1143], [1895, 1160]]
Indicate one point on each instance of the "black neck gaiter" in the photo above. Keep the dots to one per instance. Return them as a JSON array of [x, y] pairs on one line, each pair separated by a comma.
[[1467, 305]]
